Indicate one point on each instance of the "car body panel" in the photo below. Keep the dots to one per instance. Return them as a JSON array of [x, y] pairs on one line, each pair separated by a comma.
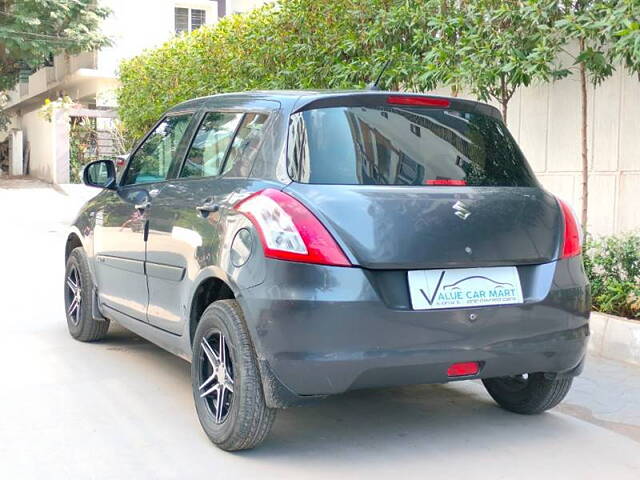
[[183, 241], [390, 227], [332, 323], [119, 251]]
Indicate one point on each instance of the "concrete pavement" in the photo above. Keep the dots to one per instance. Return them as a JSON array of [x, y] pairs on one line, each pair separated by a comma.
[[122, 408]]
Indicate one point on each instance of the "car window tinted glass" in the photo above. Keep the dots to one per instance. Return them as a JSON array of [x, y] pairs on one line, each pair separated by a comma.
[[404, 146], [152, 160], [247, 140], [209, 147]]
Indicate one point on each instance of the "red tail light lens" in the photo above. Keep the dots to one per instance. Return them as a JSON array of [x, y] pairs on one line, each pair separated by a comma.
[[572, 242], [289, 231], [446, 182], [418, 101], [463, 369]]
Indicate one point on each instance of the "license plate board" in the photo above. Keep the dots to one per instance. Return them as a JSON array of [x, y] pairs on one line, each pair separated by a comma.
[[464, 287]]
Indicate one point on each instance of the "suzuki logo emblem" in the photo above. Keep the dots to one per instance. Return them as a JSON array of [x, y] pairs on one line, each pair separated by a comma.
[[461, 210]]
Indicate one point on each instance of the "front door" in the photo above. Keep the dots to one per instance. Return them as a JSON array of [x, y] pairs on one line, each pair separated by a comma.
[[184, 221], [122, 222]]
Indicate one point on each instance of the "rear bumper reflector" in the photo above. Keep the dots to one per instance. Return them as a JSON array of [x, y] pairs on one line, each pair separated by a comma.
[[463, 369]]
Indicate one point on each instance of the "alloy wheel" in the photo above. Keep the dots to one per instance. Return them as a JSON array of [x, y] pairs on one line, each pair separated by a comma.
[[73, 289], [216, 380]]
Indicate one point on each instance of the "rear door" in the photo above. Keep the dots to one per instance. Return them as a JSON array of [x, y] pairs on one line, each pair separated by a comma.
[[418, 186], [120, 230], [186, 220]]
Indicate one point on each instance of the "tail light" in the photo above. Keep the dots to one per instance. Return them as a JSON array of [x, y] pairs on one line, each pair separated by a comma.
[[289, 231], [572, 241]]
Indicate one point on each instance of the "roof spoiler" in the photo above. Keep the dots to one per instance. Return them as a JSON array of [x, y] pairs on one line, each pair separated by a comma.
[[379, 99]]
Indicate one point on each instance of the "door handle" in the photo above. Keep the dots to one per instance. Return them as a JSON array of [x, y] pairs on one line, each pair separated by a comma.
[[143, 206]]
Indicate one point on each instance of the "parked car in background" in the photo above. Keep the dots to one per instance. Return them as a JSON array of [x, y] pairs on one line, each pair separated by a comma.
[[295, 245]]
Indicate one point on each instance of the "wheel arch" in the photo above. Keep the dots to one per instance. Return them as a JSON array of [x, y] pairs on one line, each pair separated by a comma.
[[73, 241], [209, 290]]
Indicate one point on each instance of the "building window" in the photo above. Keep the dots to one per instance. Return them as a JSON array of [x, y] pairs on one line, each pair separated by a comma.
[[198, 18], [189, 19]]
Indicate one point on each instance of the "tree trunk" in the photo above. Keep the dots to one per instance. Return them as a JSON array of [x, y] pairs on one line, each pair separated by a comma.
[[504, 97], [585, 152]]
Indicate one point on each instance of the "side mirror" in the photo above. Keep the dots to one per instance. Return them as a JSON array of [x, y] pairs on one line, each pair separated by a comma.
[[101, 174]]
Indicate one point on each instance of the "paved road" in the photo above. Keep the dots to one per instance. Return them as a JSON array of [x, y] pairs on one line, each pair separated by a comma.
[[123, 409]]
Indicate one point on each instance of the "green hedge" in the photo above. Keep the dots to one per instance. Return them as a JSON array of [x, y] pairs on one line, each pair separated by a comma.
[[486, 47], [292, 44], [613, 267]]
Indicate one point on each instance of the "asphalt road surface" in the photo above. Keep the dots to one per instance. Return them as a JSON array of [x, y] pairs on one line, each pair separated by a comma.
[[122, 408]]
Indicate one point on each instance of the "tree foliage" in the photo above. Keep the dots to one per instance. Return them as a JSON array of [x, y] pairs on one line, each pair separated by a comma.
[[504, 45], [486, 47], [294, 44], [33, 30], [340, 44], [623, 30]]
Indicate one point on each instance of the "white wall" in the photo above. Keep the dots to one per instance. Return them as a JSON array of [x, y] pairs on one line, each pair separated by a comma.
[[136, 25], [40, 135], [48, 144], [546, 122], [234, 6]]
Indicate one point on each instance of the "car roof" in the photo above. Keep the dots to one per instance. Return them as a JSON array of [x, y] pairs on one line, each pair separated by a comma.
[[296, 100]]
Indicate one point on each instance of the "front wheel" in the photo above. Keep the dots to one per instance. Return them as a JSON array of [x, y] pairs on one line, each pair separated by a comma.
[[528, 394], [226, 382], [78, 298]]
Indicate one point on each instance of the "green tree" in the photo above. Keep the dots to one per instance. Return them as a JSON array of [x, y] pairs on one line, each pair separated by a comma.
[[505, 45], [33, 30], [585, 22], [419, 39], [623, 31]]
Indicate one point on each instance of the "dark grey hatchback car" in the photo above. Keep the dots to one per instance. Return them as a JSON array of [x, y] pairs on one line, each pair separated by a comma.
[[294, 245]]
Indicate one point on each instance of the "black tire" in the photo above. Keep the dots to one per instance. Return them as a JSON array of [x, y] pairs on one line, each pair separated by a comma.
[[80, 320], [528, 394], [244, 420]]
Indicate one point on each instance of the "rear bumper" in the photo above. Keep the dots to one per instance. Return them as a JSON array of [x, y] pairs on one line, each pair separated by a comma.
[[323, 330]]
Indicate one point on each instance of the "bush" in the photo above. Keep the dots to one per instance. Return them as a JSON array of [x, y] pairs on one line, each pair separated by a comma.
[[290, 44], [489, 47], [613, 267], [83, 147]]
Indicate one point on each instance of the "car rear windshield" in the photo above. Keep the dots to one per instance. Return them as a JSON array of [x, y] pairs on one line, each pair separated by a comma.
[[398, 145]]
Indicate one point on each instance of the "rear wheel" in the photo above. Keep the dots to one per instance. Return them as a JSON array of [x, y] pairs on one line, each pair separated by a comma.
[[226, 382], [78, 298], [528, 394]]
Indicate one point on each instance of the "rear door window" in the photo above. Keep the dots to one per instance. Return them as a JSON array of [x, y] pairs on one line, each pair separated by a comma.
[[402, 145], [209, 147], [247, 140]]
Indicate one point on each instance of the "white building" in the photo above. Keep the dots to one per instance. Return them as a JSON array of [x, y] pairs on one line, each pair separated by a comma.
[[90, 79]]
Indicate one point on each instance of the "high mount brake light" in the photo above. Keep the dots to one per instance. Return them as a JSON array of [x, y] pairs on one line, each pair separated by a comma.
[[289, 231], [572, 239], [446, 182], [418, 101]]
